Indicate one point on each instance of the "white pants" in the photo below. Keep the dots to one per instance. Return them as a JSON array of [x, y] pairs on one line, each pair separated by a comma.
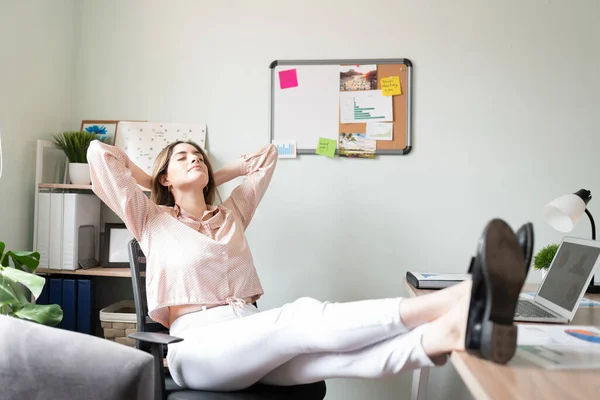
[[232, 347]]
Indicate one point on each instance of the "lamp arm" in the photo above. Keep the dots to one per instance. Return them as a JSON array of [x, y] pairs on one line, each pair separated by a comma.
[[593, 224]]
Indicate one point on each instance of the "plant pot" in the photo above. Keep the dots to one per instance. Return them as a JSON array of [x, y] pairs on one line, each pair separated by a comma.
[[79, 173], [544, 273]]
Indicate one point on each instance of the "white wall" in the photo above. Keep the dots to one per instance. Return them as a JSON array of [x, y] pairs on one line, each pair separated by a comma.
[[505, 119], [35, 101]]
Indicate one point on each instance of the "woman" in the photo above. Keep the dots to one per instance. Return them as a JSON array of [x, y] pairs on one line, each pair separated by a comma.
[[201, 283]]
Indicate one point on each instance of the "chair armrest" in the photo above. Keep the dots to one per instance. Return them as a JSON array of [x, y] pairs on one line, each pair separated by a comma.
[[153, 337], [156, 341]]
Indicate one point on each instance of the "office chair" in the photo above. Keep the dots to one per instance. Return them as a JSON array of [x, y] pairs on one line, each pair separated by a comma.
[[153, 337]]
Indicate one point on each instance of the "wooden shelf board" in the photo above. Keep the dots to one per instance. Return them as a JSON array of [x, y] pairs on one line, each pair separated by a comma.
[[71, 186], [64, 186], [97, 271]]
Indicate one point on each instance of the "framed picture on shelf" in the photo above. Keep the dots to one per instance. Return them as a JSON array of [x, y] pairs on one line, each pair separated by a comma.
[[114, 249], [104, 130]]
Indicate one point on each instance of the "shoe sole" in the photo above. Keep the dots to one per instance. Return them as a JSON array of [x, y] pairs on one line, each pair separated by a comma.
[[504, 275]]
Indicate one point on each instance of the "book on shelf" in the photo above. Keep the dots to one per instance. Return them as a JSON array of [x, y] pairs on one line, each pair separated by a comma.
[[63, 229]]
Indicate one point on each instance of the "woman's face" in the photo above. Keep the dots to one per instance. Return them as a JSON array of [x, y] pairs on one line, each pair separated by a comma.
[[186, 167]]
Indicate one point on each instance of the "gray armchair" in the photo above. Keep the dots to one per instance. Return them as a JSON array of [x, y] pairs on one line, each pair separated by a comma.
[[40, 362]]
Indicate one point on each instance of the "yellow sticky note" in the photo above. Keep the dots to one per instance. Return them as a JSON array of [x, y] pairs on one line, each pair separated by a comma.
[[326, 147], [391, 86]]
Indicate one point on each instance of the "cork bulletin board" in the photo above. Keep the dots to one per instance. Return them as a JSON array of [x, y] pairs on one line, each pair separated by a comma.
[[308, 101]]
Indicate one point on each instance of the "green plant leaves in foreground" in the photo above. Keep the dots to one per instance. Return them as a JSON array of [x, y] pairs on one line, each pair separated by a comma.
[[29, 259], [49, 315], [34, 283], [7, 297], [17, 283]]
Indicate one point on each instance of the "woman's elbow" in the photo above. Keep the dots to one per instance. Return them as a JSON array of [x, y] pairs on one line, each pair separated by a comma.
[[93, 151]]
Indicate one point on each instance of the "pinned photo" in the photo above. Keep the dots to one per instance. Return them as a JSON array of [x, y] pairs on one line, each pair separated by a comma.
[[356, 145], [358, 77]]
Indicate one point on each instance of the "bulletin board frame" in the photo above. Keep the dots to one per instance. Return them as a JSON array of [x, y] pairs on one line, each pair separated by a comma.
[[402, 105]]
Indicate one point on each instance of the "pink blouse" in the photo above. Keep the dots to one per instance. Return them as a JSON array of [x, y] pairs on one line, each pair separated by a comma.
[[188, 261]]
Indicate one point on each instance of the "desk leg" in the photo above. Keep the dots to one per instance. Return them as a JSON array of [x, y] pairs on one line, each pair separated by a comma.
[[419, 384]]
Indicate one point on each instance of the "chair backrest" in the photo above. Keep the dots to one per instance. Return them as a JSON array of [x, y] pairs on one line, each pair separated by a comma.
[[137, 264]]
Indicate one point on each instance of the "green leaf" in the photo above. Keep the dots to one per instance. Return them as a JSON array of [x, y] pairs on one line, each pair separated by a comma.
[[34, 283], [7, 297], [29, 259], [18, 291], [544, 257], [44, 314], [3, 258], [75, 144]]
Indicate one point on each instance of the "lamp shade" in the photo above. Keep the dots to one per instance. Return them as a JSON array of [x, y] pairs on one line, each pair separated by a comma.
[[564, 212]]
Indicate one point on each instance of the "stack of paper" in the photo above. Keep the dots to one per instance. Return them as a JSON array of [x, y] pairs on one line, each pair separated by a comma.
[[560, 346]]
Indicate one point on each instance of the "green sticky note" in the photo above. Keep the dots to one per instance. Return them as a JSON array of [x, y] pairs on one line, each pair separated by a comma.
[[326, 147]]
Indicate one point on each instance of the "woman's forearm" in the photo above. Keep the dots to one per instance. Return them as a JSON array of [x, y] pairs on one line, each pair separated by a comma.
[[228, 173], [140, 176]]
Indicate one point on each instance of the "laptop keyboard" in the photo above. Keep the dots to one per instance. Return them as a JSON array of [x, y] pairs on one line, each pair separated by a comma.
[[528, 309]]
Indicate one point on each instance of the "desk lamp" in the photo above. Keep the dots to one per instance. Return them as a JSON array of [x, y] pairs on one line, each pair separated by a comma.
[[563, 214]]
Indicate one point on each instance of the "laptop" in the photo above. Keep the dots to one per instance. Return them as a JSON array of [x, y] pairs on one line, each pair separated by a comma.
[[568, 277]]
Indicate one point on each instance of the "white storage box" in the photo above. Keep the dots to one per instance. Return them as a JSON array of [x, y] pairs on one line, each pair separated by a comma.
[[118, 321]]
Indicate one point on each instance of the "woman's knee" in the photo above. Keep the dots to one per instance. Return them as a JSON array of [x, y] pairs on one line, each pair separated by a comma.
[[307, 302]]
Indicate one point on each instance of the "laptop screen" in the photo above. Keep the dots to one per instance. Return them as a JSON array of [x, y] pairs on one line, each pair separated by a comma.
[[568, 273]]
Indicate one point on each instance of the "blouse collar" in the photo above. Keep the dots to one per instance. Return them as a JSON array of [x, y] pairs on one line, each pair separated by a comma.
[[213, 216]]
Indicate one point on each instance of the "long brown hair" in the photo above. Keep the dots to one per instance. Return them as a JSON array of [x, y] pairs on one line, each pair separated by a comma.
[[160, 194]]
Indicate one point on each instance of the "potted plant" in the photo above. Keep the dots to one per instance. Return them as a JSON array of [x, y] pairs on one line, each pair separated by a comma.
[[75, 145], [17, 281], [544, 257]]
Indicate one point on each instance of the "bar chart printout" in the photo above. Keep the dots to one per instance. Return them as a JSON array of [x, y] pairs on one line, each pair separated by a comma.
[[286, 149], [364, 106]]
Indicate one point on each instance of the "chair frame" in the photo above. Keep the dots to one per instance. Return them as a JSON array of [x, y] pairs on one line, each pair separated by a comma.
[[148, 336]]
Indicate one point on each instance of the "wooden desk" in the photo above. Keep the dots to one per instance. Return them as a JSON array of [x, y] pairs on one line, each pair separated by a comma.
[[517, 379]]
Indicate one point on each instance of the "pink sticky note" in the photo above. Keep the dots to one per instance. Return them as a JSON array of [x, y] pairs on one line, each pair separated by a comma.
[[288, 79]]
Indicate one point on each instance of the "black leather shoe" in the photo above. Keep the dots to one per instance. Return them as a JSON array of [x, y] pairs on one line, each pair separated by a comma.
[[525, 239], [498, 275]]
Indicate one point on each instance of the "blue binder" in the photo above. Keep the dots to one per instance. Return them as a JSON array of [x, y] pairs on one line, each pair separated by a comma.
[[84, 306], [55, 294], [69, 304], [43, 297]]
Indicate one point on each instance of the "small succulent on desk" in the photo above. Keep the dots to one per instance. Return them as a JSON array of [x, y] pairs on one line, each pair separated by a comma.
[[17, 281], [544, 257]]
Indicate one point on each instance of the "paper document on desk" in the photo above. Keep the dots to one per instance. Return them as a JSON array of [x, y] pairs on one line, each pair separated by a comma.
[[560, 346]]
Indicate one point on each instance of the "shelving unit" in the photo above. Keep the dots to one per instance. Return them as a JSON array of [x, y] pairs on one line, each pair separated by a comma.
[[51, 173]]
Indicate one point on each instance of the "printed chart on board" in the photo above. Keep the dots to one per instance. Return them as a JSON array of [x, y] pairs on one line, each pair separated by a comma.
[[142, 141]]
